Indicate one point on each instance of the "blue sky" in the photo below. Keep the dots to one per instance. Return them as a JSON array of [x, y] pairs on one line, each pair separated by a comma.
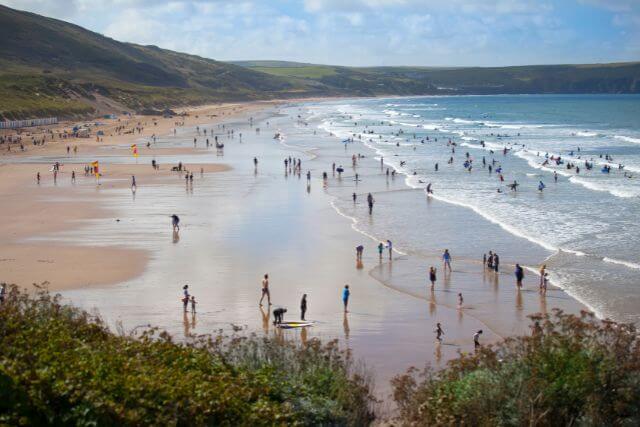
[[368, 32]]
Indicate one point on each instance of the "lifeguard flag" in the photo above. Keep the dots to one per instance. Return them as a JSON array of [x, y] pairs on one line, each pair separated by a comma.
[[96, 168], [134, 150]]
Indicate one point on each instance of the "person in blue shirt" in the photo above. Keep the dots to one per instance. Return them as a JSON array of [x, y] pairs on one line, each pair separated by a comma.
[[446, 258], [345, 297]]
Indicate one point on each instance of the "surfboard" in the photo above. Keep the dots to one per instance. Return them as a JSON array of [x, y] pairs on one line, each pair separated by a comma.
[[289, 325]]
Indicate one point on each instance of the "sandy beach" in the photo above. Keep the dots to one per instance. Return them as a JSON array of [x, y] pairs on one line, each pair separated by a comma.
[[108, 248]]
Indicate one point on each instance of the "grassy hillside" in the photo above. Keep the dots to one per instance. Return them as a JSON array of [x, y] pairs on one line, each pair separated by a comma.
[[50, 67], [591, 78], [53, 67]]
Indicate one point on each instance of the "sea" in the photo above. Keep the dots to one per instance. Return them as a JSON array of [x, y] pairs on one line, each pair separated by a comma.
[[575, 159]]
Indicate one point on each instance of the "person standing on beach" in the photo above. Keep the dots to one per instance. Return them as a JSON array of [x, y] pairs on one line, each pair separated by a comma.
[[185, 297], [175, 221], [543, 273], [439, 332], [193, 304], [432, 276], [303, 306], [354, 196], [346, 293], [519, 275], [380, 250], [38, 178], [390, 248], [370, 202], [359, 252], [446, 258], [460, 300], [476, 339], [265, 290], [73, 177], [496, 262]]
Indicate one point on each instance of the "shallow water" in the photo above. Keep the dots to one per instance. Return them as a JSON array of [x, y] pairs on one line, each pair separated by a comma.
[[585, 225]]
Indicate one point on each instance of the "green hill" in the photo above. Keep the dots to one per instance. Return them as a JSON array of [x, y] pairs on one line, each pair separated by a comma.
[[593, 78], [51, 67]]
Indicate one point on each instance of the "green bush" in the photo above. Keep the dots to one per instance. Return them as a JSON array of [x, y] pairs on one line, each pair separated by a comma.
[[60, 365], [572, 370]]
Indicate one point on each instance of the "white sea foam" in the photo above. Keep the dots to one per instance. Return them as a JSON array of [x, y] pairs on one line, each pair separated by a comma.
[[627, 139], [585, 133], [628, 264]]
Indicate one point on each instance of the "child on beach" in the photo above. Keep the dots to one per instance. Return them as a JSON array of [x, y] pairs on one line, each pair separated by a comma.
[[193, 304], [432, 276], [460, 300], [380, 250], [439, 332]]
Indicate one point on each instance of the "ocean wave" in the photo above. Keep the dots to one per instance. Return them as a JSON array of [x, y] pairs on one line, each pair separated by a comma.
[[585, 133], [612, 188], [628, 264], [627, 139]]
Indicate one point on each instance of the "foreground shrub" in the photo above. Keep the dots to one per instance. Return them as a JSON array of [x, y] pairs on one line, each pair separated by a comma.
[[571, 371], [59, 365]]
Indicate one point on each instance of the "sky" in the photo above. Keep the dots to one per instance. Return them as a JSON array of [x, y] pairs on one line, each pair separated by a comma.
[[368, 32]]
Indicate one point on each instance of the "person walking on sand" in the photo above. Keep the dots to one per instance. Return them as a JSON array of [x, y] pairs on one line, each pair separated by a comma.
[[446, 258], [354, 196], [303, 306], [380, 250], [476, 339], [134, 187], [175, 221], [359, 252], [345, 297], [439, 332], [265, 290], [460, 300], [432, 276], [370, 202], [519, 275], [193, 304], [73, 177]]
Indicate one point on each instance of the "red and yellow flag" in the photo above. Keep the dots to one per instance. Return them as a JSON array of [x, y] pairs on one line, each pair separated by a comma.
[[134, 150]]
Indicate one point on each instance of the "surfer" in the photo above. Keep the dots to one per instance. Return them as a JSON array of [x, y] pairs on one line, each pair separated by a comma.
[[278, 315]]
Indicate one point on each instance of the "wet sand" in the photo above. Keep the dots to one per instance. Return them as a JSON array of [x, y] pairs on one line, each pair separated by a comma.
[[241, 222]]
